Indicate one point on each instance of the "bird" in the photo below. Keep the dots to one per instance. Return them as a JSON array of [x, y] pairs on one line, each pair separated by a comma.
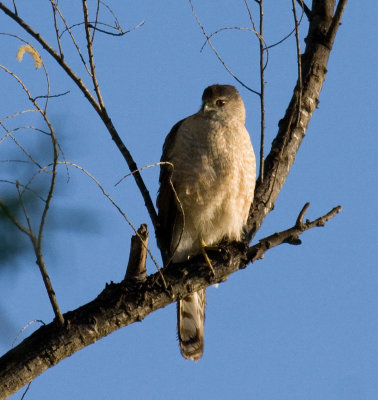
[[207, 181]]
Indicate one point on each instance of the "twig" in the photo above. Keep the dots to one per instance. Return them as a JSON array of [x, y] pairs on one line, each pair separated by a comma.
[[16, 114], [121, 32], [299, 61], [291, 235], [15, 7], [336, 21], [288, 35], [262, 80], [50, 96], [90, 56], [26, 390], [226, 28], [96, 20], [262, 48], [117, 26], [36, 242], [216, 52], [305, 9], [73, 40], [54, 8], [46, 279], [26, 326], [299, 220], [15, 221], [141, 169], [20, 184], [24, 209], [24, 150]]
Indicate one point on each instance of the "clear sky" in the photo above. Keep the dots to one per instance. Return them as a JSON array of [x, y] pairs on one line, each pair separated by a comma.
[[300, 324]]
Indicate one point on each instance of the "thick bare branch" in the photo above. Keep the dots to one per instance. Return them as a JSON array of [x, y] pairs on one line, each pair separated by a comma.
[[128, 302], [293, 126]]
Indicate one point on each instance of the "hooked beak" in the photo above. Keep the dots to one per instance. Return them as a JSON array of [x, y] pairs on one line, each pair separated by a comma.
[[207, 108]]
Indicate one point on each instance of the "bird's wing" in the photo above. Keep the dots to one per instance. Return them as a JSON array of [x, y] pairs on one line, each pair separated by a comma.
[[169, 213]]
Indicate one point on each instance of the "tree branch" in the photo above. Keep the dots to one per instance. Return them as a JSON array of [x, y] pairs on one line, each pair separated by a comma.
[[130, 301], [136, 267], [293, 126], [290, 236], [305, 9]]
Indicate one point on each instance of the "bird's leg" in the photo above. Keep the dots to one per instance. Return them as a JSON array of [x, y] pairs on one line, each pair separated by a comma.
[[203, 251]]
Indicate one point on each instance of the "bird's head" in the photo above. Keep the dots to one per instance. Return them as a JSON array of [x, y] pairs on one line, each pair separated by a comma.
[[223, 102]]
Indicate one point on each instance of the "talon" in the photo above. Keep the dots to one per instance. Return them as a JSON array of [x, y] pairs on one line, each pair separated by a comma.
[[207, 259]]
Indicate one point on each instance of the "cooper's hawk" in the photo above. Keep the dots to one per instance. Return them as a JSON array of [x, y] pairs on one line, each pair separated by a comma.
[[212, 169]]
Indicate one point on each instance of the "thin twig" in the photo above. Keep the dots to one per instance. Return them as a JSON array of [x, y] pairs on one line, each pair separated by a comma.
[[226, 28], [15, 7], [73, 40], [288, 35], [216, 52], [90, 56], [141, 169], [50, 96], [96, 20], [24, 150], [23, 329], [16, 114], [121, 32], [20, 184], [299, 61], [262, 49], [24, 209], [15, 221], [301, 215], [262, 92], [305, 9], [26, 390], [54, 7]]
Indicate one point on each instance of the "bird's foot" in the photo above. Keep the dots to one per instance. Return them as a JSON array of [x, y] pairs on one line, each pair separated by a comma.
[[204, 248]]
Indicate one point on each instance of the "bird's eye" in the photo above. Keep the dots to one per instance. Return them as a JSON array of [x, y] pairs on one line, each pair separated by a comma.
[[220, 103]]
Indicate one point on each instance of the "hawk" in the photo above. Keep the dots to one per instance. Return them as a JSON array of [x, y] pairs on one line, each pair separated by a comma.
[[207, 182]]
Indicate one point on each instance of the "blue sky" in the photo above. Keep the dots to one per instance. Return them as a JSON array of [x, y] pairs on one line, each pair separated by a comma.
[[300, 324]]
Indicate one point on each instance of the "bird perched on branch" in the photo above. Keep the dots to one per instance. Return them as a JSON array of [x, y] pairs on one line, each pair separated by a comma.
[[207, 182]]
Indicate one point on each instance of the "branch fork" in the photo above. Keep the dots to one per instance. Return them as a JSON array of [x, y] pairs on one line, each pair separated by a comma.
[[291, 235]]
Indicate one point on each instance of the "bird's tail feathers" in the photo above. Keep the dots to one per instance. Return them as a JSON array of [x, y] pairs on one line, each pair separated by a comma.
[[191, 318]]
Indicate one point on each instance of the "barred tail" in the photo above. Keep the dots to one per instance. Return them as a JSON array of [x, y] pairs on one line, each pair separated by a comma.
[[191, 319]]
